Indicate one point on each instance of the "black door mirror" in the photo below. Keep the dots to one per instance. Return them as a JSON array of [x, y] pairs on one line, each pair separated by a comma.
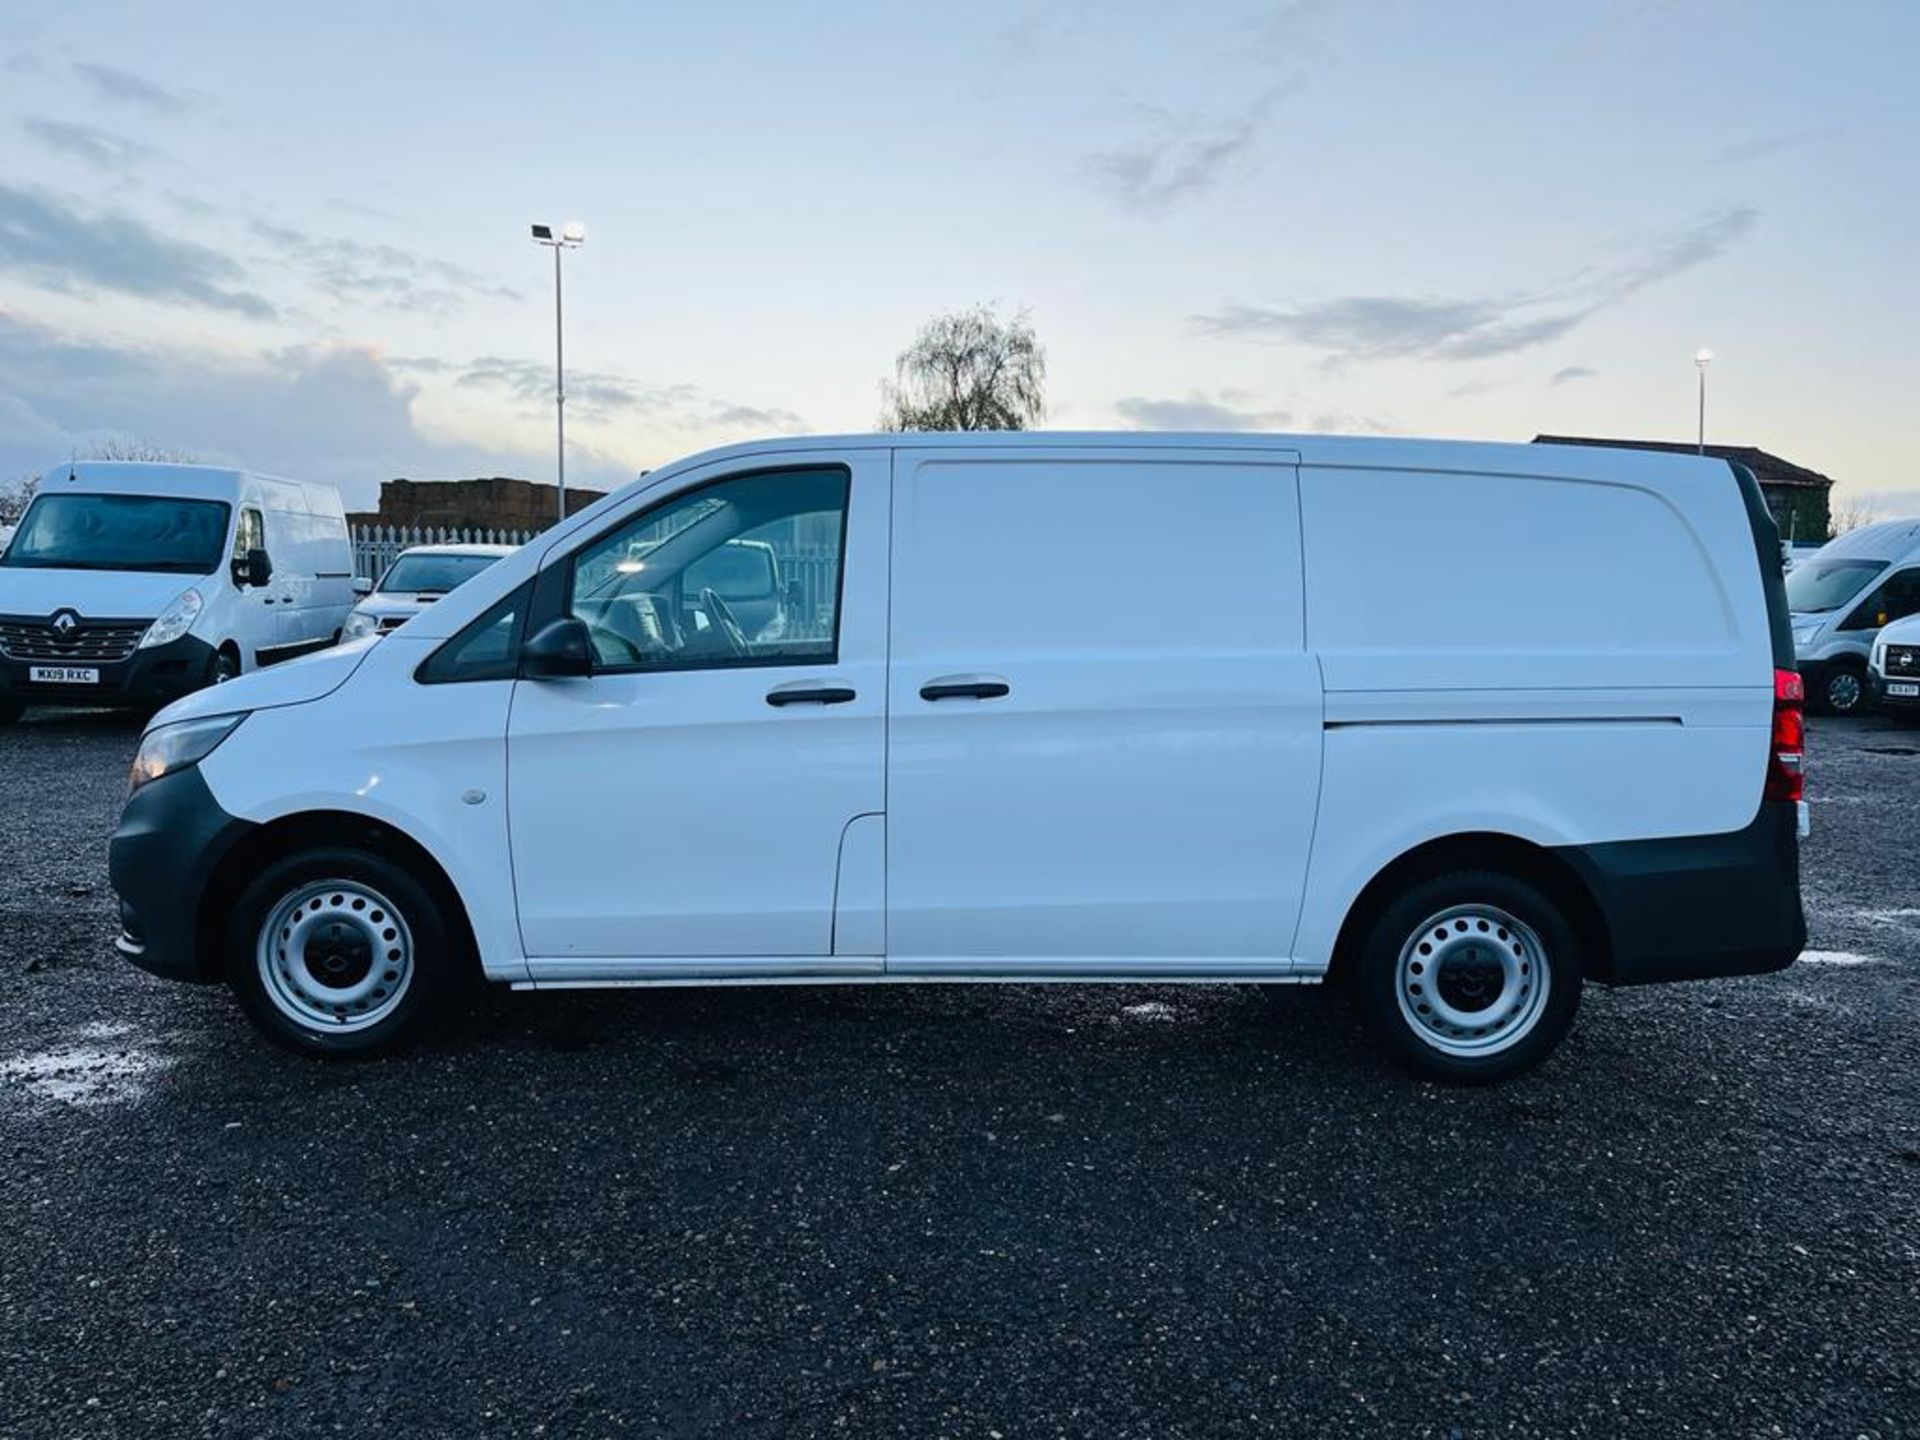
[[558, 650], [252, 569]]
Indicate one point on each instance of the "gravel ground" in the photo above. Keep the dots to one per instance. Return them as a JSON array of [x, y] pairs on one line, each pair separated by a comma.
[[957, 1211]]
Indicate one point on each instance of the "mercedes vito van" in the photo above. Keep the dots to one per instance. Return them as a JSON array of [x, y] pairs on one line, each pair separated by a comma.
[[129, 584], [1840, 596], [1377, 712]]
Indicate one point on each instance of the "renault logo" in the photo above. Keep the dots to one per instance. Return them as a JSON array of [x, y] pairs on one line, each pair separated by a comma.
[[64, 623]]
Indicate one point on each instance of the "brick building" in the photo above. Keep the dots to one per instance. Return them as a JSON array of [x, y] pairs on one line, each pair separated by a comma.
[[498, 503]]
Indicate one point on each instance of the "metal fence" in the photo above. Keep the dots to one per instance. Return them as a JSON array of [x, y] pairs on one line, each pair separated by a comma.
[[818, 574], [375, 547]]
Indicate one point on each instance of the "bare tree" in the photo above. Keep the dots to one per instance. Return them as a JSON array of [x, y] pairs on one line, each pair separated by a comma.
[[1851, 516], [133, 448], [15, 495], [968, 371]]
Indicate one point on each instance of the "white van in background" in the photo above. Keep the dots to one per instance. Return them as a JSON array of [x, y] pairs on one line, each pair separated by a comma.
[[420, 575], [1070, 708], [1893, 675], [130, 583], [1840, 596]]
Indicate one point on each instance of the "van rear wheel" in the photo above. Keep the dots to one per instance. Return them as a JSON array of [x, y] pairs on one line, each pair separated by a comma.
[[1469, 977], [339, 952], [1843, 689]]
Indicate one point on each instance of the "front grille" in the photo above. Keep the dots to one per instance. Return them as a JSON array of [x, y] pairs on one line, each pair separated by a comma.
[[90, 642], [1903, 660]]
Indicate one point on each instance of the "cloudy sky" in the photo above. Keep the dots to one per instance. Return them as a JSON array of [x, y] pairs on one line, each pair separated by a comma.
[[298, 239]]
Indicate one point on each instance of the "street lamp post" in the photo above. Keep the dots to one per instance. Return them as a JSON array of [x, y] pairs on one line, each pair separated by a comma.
[[1702, 359], [571, 237]]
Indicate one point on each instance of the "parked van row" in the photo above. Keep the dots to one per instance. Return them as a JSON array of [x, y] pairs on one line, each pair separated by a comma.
[[1090, 708], [1841, 597]]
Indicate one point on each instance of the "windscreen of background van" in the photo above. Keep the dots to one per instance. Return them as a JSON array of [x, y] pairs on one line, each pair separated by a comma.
[[121, 532], [1828, 585], [432, 574]]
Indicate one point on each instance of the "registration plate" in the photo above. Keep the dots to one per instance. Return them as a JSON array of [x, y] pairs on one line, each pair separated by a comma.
[[1896, 687], [63, 675]]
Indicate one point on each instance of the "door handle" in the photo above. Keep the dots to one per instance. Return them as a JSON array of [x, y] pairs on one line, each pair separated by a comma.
[[806, 692], [965, 687]]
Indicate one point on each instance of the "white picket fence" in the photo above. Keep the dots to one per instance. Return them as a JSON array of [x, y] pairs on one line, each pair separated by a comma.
[[377, 546]]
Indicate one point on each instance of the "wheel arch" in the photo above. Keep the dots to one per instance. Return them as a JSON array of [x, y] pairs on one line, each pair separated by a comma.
[[308, 829], [1481, 850]]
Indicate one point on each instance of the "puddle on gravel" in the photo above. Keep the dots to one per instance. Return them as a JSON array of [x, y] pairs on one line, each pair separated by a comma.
[[1835, 957], [1151, 1012], [99, 1068], [1905, 915]]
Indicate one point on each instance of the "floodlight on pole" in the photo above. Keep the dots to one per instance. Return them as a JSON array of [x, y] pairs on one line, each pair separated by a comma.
[[572, 236], [1702, 359]]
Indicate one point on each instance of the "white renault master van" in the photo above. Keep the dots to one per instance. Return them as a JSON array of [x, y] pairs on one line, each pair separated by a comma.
[[1840, 596], [1074, 708], [129, 584]]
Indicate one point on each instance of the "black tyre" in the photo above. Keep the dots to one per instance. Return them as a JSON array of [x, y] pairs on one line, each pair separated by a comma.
[[1469, 977], [10, 711], [341, 952], [1842, 690]]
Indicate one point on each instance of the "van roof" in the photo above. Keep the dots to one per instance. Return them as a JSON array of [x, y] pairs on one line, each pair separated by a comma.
[[1365, 451], [462, 548], [1889, 540], [190, 482]]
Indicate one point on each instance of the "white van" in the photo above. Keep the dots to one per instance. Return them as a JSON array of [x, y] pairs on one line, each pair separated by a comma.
[[1074, 708], [421, 575], [129, 583], [1840, 597], [1893, 675]]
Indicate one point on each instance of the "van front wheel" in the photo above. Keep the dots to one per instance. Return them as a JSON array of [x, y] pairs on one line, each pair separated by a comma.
[[1469, 977], [339, 952]]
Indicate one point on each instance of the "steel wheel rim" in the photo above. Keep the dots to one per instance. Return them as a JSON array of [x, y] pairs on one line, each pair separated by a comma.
[[1472, 980], [1844, 690], [335, 955]]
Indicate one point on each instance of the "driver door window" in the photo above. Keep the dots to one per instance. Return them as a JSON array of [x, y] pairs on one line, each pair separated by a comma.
[[744, 571], [249, 533]]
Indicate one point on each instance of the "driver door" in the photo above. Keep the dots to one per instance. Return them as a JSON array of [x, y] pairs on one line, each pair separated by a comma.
[[680, 810]]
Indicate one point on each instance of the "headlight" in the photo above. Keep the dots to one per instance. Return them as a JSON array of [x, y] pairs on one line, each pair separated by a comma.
[[359, 626], [167, 748], [174, 621], [1803, 634]]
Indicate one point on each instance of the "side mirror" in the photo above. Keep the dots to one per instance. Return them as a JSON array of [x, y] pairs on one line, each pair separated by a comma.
[[252, 569], [558, 650], [362, 585], [796, 595]]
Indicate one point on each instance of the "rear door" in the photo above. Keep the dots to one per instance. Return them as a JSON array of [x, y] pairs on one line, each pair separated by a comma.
[[1104, 730]]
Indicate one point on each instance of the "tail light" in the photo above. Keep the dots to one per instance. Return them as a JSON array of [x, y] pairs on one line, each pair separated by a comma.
[[1786, 776]]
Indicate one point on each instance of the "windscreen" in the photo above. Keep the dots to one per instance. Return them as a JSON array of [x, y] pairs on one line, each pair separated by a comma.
[[432, 574], [120, 532], [1818, 585]]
